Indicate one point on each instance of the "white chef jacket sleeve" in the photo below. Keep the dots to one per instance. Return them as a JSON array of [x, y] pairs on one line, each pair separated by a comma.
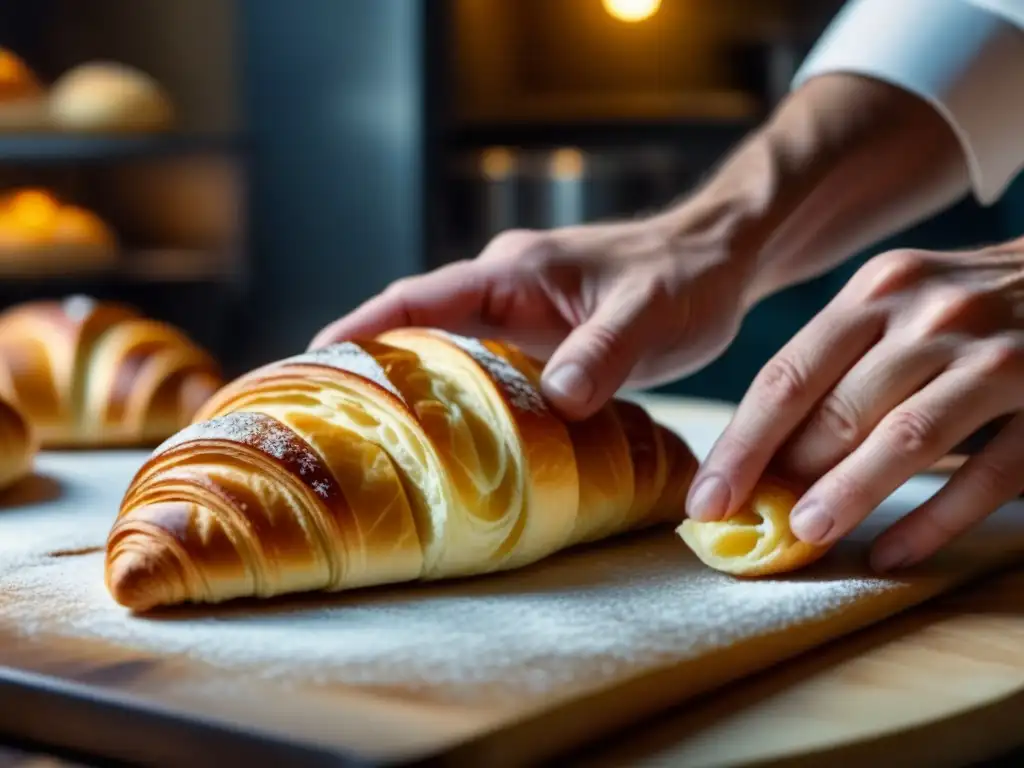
[[965, 57]]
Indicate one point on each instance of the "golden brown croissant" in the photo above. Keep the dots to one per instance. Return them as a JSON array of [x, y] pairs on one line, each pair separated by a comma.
[[416, 455], [98, 374], [18, 445], [757, 540]]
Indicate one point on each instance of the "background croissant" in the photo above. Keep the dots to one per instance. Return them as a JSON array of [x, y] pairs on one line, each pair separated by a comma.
[[18, 445], [98, 374], [417, 455]]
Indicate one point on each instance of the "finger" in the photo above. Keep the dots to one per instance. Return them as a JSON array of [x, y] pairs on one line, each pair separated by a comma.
[[907, 441], [982, 485], [451, 297], [597, 357], [888, 374], [780, 398]]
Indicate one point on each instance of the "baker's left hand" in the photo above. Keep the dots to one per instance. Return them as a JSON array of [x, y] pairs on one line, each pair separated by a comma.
[[917, 352]]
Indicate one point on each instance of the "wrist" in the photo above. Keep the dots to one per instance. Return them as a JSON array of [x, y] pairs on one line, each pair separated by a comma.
[[845, 161], [731, 218]]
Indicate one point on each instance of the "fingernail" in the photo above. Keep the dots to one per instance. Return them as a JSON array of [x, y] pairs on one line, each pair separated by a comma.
[[709, 499], [810, 523], [889, 555], [571, 382]]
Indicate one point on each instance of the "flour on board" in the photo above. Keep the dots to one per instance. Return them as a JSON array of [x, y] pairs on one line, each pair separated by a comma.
[[552, 629]]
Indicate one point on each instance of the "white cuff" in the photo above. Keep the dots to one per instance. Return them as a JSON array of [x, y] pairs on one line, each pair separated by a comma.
[[965, 57]]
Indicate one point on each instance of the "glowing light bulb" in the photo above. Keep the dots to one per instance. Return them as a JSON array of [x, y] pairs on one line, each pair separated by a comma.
[[631, 10]]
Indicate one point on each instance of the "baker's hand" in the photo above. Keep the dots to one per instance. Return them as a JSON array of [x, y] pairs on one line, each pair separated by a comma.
[[636, 303], [916, 353]]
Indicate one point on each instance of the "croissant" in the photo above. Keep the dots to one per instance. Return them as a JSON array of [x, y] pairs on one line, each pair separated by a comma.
[[757, 540], [98, 374], [417, 455], [18, 445]]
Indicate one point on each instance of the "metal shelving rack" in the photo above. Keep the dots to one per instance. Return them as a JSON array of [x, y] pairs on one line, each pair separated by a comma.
[[177, 200]]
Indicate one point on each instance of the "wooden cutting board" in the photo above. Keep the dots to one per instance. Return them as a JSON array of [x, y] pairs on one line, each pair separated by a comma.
[[939, 685], [498, 671]]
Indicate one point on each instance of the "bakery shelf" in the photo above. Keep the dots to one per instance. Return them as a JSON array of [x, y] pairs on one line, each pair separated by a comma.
[[693, 133], [59, 148], [135, 267]]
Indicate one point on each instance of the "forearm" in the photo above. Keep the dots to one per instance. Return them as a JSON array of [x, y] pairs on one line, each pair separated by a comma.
[[843, 162]]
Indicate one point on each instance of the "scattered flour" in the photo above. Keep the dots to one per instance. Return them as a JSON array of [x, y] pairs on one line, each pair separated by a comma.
[[574, 622], [571, 623], [517, 387]]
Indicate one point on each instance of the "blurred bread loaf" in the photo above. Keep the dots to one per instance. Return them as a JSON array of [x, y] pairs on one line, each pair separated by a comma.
[[22, 96], [109, 97], [39, 233]]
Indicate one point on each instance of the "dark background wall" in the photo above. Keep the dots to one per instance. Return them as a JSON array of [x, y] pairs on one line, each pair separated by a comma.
[[351, 114], [335, 106]]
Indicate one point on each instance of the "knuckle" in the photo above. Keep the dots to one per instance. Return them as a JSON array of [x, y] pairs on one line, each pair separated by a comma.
[[656, 293], [847, 492], [782, 382], [950, 309], [1003, 357], [606, 343], [518, 244], [400, 288], [839, 418], [893, 271], [908, 434]]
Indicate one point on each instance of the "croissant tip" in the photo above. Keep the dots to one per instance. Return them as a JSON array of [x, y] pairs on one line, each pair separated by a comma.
[[134, 580]]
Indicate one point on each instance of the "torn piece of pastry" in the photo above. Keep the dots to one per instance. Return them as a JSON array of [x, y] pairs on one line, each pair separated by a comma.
[[757, 540]]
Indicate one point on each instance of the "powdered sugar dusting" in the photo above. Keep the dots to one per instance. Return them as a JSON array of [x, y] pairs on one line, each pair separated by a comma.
[[78, 307], [265, 434], [513, 383], [349, 357]]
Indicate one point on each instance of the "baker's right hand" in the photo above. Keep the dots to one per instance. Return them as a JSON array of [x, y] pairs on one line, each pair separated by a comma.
[[610, 305]]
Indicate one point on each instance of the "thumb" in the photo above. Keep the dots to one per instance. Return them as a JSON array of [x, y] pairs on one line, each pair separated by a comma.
[[596, 359]]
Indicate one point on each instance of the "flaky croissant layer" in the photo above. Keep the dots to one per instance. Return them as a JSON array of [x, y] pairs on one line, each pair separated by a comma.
[[415, 455]]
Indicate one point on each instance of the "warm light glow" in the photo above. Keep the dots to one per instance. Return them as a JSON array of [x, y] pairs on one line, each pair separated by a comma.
[[631, 10], [34, 208], [12, 70], [497, 163], [567, 163]]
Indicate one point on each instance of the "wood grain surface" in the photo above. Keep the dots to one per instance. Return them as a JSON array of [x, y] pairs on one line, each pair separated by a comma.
[[825, 708], [941, 685]]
